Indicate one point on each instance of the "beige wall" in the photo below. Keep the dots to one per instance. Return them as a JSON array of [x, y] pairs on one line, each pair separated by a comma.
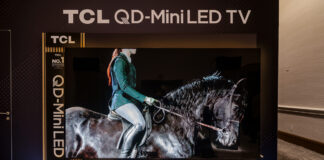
[[301, 53], [301, 65]]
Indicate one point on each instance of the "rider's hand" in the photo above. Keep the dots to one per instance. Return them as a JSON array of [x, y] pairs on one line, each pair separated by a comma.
[[150, 101]]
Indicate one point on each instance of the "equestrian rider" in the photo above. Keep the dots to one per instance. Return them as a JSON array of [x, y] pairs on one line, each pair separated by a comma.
[[122, 76]]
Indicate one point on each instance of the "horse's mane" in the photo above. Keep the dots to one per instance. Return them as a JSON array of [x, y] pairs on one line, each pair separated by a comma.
[[188, 98], [191, 99]]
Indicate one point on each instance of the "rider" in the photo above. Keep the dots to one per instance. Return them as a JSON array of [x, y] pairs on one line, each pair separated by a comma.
[[122, 76]]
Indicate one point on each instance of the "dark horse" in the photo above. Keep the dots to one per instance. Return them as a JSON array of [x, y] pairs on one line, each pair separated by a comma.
[[213, 100]]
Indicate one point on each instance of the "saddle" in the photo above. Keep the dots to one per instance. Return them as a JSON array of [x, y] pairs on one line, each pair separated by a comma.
[[113, 116]]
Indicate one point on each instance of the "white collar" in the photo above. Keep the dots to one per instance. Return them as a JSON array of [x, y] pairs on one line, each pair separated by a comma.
[[128, 57]]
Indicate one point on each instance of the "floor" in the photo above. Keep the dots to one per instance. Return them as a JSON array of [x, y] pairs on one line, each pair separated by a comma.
[[289, 151]]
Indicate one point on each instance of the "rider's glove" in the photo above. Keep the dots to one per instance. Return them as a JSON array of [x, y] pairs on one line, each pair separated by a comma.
[[150, 101]]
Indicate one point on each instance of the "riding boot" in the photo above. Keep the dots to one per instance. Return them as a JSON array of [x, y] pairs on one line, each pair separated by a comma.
[[131, 138]]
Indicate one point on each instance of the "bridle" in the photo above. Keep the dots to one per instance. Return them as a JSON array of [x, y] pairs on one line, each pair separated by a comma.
[[163, 110]]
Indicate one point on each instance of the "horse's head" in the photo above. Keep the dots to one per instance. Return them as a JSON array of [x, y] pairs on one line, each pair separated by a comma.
[[228, 110], [212, 100]]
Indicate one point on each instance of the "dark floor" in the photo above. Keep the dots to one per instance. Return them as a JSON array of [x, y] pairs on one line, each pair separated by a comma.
[[289, 151]]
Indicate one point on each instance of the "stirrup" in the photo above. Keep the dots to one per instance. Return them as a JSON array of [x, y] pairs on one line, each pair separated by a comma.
[[113, 116]]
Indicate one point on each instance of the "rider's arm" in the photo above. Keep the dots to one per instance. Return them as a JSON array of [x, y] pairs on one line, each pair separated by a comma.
[[121, 76]]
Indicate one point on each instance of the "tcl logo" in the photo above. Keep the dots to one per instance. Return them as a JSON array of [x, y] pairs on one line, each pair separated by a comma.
[[62, 39]]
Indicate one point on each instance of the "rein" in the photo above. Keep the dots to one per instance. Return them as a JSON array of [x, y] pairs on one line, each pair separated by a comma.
[[181, 116], [178, 115]]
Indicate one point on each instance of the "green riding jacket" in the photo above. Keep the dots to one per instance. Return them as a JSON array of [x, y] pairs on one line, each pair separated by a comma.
[[123, 83]]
